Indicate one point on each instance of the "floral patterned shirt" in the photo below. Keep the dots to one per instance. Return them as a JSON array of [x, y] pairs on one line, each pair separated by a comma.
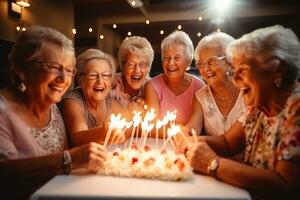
[[118, 91], [271, 139]]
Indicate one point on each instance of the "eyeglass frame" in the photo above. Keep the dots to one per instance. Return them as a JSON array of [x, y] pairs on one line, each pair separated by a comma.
[[58, 69], [206, 63], [97, 75], [140, 65]]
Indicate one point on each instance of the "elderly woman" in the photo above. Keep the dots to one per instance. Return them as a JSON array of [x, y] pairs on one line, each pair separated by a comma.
[[219, 104], [135, 60], [266, 66], [87, 109], [33, 145], [174, 89]]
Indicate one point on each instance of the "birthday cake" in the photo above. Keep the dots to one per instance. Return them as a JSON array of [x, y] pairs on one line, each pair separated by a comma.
[[147, 163]]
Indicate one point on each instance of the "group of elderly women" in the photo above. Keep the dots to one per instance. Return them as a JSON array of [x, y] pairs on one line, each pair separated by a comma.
[[250, 103]]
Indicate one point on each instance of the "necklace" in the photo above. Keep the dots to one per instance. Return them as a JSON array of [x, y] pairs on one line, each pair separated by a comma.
[[225, 103]]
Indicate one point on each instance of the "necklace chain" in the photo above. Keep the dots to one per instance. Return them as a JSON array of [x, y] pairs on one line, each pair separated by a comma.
[[221, 101]]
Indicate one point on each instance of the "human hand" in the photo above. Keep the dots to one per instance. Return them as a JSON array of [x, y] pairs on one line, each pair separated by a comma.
[[89, 157], [200, 156], [182, 139]]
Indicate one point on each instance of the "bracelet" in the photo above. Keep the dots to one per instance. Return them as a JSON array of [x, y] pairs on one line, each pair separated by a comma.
[[67, 162]]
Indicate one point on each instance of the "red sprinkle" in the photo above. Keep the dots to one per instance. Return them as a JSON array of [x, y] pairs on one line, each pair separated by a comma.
[[134, 160]]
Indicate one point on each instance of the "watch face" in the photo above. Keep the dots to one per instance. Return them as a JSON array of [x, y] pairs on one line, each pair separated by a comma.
[[213, 165]]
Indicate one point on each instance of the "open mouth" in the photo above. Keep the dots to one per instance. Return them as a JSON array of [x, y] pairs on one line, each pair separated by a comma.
[[172, 70], [210, 75], [136, 78], [99, 89], [57, 88], [246, 90]]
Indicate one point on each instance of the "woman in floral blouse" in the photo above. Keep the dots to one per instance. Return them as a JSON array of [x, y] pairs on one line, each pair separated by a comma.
[[135, 58], [266, 66]]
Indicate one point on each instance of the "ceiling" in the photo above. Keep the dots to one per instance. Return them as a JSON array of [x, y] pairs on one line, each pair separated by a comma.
[[166, 15]]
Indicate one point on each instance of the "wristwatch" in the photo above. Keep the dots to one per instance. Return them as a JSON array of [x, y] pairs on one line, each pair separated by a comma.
[[212, 167]]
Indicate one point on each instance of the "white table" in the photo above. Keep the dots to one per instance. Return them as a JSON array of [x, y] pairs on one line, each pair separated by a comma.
[[106, 187]]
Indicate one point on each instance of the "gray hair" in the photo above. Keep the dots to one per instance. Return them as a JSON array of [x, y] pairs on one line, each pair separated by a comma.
[[30, 42], [215, 40], [90, 54], [136, 45], [179, 37], [264, 44]]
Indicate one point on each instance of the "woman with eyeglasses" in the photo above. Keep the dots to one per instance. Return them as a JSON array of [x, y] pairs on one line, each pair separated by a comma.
[[135, 59], [218, 105], [33, 141], [266, 66], [174, 89], [86, 109]]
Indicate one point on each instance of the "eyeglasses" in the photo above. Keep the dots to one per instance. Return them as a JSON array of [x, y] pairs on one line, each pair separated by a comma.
[[211, 61], [132, 65], [177, 58], [56, 68], [95, 76]]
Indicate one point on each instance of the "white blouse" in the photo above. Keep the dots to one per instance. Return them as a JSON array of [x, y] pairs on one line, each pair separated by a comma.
[[214, 121]]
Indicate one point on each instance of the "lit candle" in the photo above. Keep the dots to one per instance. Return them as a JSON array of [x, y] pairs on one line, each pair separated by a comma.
[[158, 126], [136, 120], [165, 121], [194, 135], [112, 125], [172, 131], [148, 130]]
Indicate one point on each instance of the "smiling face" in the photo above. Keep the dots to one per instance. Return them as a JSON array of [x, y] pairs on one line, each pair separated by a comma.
[[213, 72], [175, 62], [44, 86], [257, 85], [135, 70], [96, 81]]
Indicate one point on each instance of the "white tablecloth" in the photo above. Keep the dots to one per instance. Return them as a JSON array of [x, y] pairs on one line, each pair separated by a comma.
[[107, 187]]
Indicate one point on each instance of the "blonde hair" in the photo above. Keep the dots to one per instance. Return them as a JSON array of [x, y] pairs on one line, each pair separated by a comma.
[[215, 40], [29, 43], [90, 54], [264, 44], [179, 37], [136, 45]]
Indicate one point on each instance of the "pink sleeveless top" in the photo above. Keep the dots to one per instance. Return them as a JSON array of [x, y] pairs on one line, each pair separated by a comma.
[[168, 101]]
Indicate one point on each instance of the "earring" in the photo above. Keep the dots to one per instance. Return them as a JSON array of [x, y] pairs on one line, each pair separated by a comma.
[[22, 87], [277, 82], [229, 72]]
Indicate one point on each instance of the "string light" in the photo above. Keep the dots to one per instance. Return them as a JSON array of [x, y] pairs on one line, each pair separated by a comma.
[[161, 32], [23, 29], [133, 3], [90, 30], [129, 33], [18, 28], [101, 37], [218, 30], [147, 21], [115, 26], [200, 18], [179, 27], [74, 31], [199, 34]]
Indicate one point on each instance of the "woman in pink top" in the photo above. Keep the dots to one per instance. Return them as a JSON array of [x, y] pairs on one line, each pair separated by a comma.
[[174, 89]]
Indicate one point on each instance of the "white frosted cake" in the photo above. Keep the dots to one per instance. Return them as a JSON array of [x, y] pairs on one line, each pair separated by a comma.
[[147, 163]]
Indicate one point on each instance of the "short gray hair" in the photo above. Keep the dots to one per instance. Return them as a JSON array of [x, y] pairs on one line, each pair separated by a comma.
[[90, 54], [179, 37], [30, 42], [263, 44], [215, 40], [137, 45]]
